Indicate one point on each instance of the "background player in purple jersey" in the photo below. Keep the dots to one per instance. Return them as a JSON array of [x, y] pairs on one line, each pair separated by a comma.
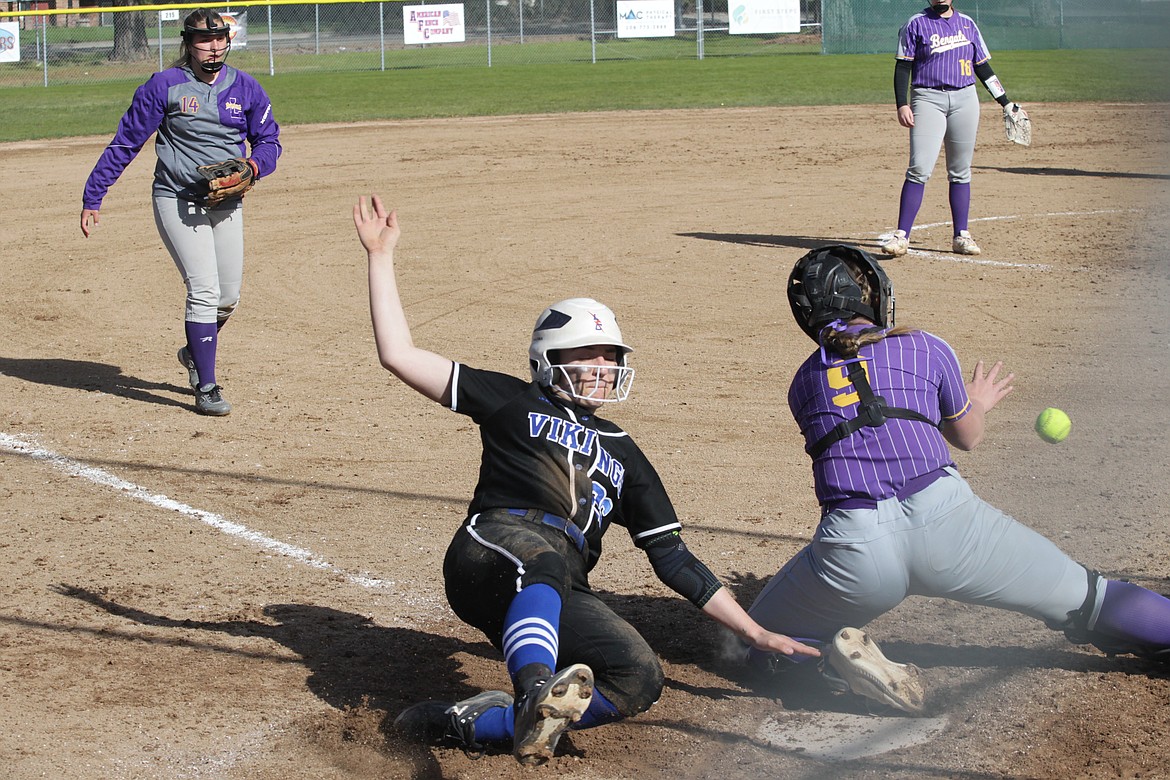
[[553, 478], [203, 111], [940, 54], [877, 406]]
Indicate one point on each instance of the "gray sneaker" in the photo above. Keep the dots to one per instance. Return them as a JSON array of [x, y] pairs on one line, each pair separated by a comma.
[[210, 401], [545, 711], [854, 663], [446, 723], [189, 364]]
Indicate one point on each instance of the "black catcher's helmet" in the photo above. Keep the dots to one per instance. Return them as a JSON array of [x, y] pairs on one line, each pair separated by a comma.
[[205, 21], [821, 289]]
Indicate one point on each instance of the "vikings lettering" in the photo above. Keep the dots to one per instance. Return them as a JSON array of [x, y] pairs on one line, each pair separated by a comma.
[[577, 438]]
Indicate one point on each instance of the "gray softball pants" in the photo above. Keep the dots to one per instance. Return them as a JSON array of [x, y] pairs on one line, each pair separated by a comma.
[[943, 542], [941, 116], [207, 246]]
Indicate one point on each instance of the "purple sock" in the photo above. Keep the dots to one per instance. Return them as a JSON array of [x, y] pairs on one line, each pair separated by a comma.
[[960, 197], [1135, 614], [909, 204], [201, 340]]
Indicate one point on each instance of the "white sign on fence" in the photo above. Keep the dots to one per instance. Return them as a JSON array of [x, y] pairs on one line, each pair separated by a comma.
[[763, 16], [169, 15], [433, 23], [645, 18], [9, 42]]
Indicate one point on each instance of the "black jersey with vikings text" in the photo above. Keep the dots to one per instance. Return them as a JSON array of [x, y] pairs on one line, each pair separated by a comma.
[[540, 453]]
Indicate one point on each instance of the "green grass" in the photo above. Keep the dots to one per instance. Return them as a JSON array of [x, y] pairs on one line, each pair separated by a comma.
[[784, 80]]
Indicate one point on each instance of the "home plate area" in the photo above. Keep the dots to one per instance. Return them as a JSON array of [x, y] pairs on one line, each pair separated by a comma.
[[840, 736]]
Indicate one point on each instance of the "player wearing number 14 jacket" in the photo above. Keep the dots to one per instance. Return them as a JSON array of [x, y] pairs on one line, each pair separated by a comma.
[[201, 111], [553, 478]]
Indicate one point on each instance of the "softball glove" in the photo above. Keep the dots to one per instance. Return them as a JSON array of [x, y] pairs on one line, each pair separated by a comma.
[[228, 179], [1017, 125]]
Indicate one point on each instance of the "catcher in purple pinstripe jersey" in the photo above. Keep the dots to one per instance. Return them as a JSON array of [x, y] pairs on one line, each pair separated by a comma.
[[200, 111], [940, 55], [877, 406], [553, 478]]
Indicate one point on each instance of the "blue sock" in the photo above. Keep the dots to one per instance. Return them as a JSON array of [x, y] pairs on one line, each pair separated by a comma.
[[201, 342], [531, 628], [600, 712], [496, 725]]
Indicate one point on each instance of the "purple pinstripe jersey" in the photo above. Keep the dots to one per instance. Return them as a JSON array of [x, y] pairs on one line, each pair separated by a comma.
[[945, 51], [197, 124], [916, 371]]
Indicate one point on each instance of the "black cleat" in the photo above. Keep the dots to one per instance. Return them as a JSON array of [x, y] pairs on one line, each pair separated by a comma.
[[443, 723]]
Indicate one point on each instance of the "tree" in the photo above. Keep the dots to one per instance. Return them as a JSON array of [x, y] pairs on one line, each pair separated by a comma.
[[129, 34]]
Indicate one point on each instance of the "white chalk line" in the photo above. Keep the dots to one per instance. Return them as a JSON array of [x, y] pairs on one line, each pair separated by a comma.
[[98, 476], [999, 263]]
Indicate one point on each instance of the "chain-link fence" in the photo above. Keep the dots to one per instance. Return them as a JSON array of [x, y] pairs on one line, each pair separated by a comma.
[[871, 26], [40, 45], [79, 46]]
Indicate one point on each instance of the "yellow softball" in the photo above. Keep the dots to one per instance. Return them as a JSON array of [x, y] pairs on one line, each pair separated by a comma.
[[1053, 425]]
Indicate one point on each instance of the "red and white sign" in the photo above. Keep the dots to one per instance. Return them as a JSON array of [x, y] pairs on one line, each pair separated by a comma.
[[433, 23]]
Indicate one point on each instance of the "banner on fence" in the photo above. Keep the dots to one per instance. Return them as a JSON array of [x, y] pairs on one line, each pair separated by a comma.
[[763, 16], [645, 18], [433, 23], [238, 23], [9, 42]]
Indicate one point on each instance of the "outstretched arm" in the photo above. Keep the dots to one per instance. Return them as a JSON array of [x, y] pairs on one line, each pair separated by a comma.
[[682, 572], [985, 391], [426, 372], [723, 608]]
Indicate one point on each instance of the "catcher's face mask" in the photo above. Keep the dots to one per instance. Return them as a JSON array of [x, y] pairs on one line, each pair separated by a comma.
[[208, 38]]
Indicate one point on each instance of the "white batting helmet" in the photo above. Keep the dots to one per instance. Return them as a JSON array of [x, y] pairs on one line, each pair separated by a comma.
[[572, 323]]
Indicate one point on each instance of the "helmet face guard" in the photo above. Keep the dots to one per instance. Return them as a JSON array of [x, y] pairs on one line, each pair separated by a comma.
[[821, 289], [212, 25], [572, 324]]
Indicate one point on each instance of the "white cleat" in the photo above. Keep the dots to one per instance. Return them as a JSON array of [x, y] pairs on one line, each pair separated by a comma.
[[963, 244], [855, 663], [897, 244]]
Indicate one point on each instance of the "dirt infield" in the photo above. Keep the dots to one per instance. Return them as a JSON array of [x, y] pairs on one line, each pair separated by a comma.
[[257, 596]]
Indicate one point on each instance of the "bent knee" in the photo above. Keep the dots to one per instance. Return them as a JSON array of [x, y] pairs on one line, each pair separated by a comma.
[[634, 688], [226, 310]]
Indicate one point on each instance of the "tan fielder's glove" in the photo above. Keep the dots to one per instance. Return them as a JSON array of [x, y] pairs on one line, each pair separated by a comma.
[[1017, 125], [228, 179]]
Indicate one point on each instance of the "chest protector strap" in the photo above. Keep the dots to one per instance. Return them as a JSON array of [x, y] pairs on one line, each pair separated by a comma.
[[872, 412]]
